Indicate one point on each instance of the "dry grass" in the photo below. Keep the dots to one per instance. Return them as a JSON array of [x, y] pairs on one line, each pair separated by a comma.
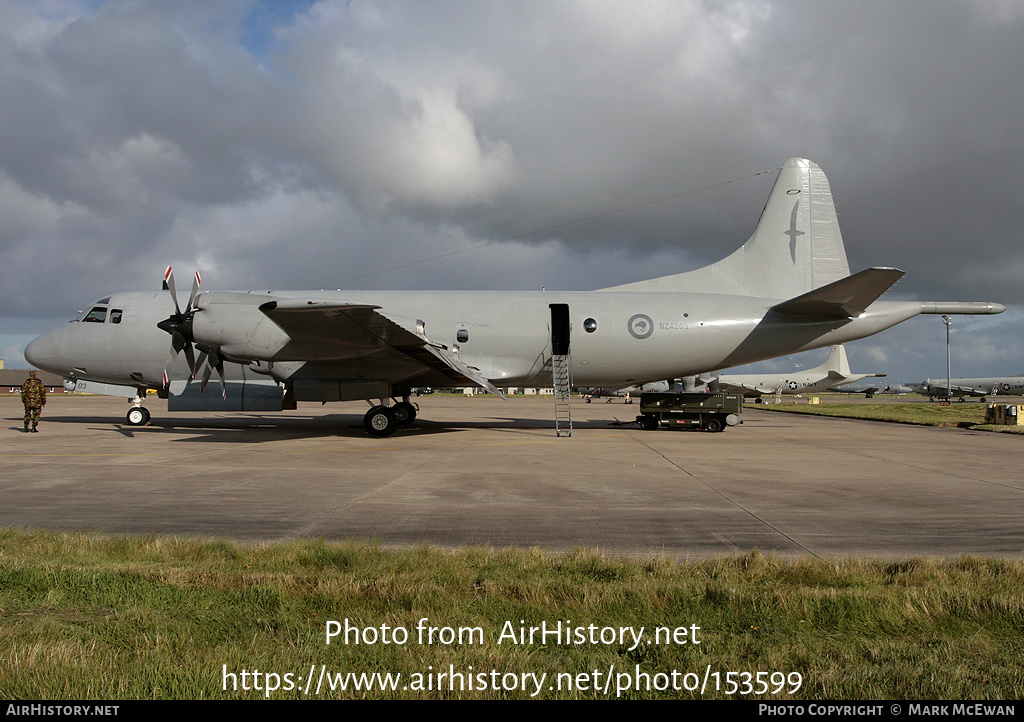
[[100, 617]]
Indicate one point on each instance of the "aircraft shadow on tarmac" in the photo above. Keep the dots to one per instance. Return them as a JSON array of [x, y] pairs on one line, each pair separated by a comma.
[[257, 429]]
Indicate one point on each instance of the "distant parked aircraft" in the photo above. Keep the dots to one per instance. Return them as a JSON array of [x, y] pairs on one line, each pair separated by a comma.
[[835, 371], [992, 386], [871, 389]]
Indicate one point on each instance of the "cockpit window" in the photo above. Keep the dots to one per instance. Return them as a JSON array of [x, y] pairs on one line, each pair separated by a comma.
[[98, 314], [115, 315]]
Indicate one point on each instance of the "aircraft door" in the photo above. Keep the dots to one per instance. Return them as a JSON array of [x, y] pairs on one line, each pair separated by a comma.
[[560, 327]]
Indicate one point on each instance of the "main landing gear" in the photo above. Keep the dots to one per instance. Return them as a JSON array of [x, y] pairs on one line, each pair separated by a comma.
[[382, 421]]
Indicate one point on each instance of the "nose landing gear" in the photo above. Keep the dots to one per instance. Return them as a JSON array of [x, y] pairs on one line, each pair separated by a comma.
[[138, 415]]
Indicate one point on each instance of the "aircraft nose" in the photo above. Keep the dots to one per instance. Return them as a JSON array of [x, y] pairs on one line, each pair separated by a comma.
[[44, 352]]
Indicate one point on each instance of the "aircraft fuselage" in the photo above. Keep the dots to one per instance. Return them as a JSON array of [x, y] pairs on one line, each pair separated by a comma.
[[616, 338]]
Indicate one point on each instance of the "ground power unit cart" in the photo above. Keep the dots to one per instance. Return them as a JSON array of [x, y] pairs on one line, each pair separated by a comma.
[[711, 412]]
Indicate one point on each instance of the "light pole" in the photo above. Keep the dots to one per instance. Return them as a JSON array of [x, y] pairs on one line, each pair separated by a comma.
[[949, 379]]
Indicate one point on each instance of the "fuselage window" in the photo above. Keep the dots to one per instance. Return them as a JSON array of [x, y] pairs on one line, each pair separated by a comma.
[[462, 335], [590, 325], [97, 315], [115, 315]]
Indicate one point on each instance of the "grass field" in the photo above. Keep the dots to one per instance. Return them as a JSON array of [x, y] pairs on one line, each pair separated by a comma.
[[101, 617], [962, 415]]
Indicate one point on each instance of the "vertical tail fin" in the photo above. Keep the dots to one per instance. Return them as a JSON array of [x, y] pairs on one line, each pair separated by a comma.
[[836, 362], [795, 248]]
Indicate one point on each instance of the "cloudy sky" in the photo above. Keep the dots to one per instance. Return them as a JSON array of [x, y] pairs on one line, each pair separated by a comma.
[[359, 144]]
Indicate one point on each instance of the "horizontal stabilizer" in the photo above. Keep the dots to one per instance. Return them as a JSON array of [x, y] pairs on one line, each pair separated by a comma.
[[846, 298]]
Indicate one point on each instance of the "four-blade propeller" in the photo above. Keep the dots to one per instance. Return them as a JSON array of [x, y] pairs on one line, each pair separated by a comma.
[[179, 326]]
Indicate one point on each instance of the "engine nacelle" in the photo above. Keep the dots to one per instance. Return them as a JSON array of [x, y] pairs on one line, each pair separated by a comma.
[[233, 323]]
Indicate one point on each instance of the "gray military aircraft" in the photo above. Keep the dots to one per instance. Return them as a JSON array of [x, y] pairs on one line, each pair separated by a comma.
[[983, 387], [835, 371], [871, 389], [787, 290]]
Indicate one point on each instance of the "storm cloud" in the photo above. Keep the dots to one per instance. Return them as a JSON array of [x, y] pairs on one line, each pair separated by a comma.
[[486, 145]]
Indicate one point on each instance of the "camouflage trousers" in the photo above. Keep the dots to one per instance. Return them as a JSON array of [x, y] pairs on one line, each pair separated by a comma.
[[32, 416]]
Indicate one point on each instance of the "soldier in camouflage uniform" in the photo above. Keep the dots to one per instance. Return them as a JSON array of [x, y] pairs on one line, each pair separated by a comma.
[[33, 395]]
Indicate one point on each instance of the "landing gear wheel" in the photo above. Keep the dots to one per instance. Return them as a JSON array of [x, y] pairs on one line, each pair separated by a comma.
[[380, 421], [714, 424], [137, 416], [405, 413]]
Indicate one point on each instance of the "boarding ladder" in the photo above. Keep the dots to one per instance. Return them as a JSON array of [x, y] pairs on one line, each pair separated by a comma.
[[563, 388]]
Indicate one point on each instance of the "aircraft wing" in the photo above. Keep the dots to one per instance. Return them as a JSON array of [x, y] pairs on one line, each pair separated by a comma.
[[345, 330], [437, 358], [966, 390], [849, 378], [856, 388], [846, 298]]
